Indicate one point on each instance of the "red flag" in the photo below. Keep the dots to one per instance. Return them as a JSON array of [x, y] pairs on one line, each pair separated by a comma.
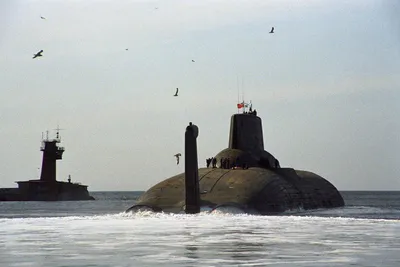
[[240, 105]]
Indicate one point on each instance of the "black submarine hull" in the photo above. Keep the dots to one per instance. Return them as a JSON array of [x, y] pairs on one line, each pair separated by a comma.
[[243, 175], [254, 190]]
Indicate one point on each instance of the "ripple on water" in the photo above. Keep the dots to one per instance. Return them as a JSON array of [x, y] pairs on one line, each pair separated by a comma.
[[207, 239]]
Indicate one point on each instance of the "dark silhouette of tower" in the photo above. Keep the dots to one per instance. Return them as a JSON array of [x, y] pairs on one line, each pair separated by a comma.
[[246, 133], [47, 188], [51, 153], [192, 189]]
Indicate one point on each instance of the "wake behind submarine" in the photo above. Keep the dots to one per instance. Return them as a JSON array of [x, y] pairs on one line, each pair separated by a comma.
[[243, 175]]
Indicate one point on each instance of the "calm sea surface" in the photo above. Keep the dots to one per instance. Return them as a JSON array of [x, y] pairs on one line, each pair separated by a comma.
[[98, 233]]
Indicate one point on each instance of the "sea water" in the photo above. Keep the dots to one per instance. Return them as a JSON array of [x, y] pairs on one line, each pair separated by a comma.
[[99, 233]]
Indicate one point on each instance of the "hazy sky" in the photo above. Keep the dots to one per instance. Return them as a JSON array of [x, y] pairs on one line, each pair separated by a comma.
[[326, 85]]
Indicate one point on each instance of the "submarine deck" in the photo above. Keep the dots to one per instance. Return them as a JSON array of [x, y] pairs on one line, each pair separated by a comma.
[[264, 190]]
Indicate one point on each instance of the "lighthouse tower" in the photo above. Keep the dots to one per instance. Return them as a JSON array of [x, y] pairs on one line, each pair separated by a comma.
[[51, 153], [47, 188]]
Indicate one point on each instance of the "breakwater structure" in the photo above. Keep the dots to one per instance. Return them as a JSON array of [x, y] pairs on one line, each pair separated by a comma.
[[243, 176], [47, 188]]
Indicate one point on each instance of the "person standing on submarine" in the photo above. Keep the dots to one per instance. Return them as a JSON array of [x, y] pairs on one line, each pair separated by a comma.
[[214, 162], [208, 161]]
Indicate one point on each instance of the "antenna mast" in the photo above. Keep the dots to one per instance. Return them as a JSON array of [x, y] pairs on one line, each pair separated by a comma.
[[237, 87], [244, 105], [58, 137]]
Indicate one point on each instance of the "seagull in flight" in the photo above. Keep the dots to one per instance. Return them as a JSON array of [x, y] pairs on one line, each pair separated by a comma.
[[272, 30], [193, 60], [38, 54], [177, 157], [176, 94], [42, 17]]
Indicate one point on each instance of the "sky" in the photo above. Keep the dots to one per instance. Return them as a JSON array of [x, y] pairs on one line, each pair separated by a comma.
[[325, 84]]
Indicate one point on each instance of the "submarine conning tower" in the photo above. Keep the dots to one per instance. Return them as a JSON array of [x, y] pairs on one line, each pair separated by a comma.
[[51, 153], [246, 133], [246, 143]]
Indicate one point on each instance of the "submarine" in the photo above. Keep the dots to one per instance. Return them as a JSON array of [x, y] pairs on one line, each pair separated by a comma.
[[244, 176], [47, 188]]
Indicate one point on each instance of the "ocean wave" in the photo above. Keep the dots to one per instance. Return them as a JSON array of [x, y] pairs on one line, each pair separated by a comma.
[[223, 212]]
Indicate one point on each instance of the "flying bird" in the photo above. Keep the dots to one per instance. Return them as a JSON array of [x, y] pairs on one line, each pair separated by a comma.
[[42, 17], [38, 54], [193, 60], [177, 157], [126, 49], [272, 30], [176, 94]]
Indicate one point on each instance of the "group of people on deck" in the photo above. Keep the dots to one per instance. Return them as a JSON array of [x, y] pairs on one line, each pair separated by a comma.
[[211, 161], [225, 163]]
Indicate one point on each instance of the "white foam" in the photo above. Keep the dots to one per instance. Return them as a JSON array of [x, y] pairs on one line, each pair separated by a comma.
[[226, 237]]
